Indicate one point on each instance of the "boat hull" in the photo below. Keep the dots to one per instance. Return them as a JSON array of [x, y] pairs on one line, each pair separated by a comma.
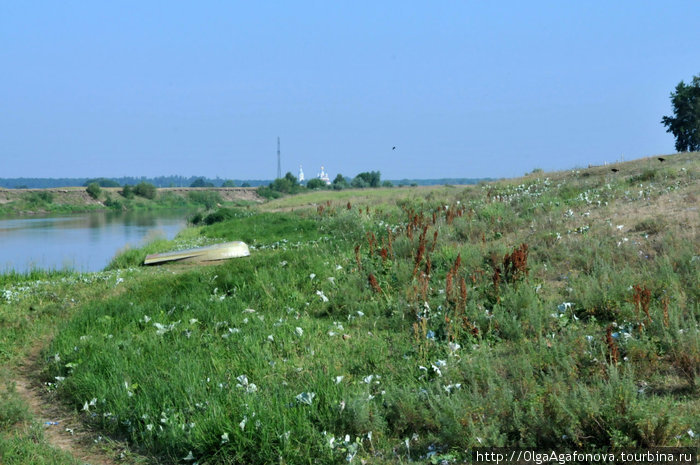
[[209, 253]]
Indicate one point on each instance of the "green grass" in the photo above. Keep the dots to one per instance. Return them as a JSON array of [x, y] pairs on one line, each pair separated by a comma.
[[360, 348]]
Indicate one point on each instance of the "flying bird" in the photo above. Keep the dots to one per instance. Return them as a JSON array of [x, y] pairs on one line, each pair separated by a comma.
[[661, 159], [614, 170]]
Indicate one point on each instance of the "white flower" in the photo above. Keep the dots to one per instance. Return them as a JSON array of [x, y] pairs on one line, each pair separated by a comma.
[[242, 423], [338, 379], [299, 331], [338, 267], [306, 397], [270, 338], [691, 433], [224, 438], [248, 310], [322, 296], [312, 276], [331, 280], [368, 379], [149, 427], [620, 226], [189, 457]]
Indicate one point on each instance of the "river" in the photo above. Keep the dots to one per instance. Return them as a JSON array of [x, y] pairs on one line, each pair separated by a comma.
[[81, 242]]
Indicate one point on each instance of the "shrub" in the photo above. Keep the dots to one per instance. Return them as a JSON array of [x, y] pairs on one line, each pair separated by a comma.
[[207, 198], [222, 214], [145, 190], [128, 191], [200, 182], [94, 190], [112, 203], [102, 182], [315, 183], [646, 175]]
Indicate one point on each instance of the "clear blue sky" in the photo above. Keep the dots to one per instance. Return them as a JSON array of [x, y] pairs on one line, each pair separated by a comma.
[[461, 88]]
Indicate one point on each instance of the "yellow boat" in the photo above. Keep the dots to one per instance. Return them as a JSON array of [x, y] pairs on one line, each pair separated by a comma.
[[209, 253]]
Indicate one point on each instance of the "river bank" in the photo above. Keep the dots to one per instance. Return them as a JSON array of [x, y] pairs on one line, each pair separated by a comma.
[[557, 310], [76, 199]]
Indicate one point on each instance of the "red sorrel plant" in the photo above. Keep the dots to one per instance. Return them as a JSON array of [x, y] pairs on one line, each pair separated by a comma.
[[515, 264], [641, 299], [435, 237], [664, 304], [357, 257], [374, 284], [613, 353]]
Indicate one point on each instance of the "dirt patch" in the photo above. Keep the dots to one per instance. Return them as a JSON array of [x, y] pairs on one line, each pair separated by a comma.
[[228, 194], [62, 428]]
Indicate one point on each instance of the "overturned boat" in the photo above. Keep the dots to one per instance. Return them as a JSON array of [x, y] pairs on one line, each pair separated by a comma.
[[209, 253]]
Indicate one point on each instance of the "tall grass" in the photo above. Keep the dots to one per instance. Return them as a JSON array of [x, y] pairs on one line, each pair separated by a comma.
[[405, 327]]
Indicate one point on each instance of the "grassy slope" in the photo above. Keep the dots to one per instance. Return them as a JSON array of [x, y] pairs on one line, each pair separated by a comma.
[[407, 364], [76, 199]]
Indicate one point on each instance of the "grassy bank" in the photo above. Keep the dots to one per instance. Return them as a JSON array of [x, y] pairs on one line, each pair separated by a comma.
[[74, 200], [554, 311]]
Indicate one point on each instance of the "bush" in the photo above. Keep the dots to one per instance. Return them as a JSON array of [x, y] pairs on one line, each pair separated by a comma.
[[102, 182], [315, 183], [646, 175], [145, 190], [209, 199], [200, 182], [35, 199], [128, 192], [267, 193], [222, 214], [94, 190], [112, 203]]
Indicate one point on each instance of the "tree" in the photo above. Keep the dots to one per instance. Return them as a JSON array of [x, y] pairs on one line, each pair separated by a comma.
[[200, 182], [685, 125], [94, 190], [367, 179], [128, 191], [102, 182], [340, 182], [228, 183], [315, 183], [145, 189]]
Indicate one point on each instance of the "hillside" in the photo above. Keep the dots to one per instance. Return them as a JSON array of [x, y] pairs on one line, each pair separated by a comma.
[[558, 311], [76, 199]]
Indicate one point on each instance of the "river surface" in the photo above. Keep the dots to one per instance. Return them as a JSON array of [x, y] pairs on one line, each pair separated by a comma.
[[81, 242]]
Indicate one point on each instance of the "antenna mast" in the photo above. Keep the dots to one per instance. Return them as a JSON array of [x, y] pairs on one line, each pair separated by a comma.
[[279, 166]]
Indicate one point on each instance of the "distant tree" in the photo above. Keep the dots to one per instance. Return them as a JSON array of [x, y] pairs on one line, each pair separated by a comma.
[[685, 124], [387, 184], [228, 183], [340, 182], [359, 182], [200, 182], [102, 182], [94, 190], [128, 191], [245, 184], [286, 185], [315, 183], [146, 190], [368, 179]]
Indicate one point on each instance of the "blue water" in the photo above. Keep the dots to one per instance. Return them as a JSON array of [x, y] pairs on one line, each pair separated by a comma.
[[81, 242]]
